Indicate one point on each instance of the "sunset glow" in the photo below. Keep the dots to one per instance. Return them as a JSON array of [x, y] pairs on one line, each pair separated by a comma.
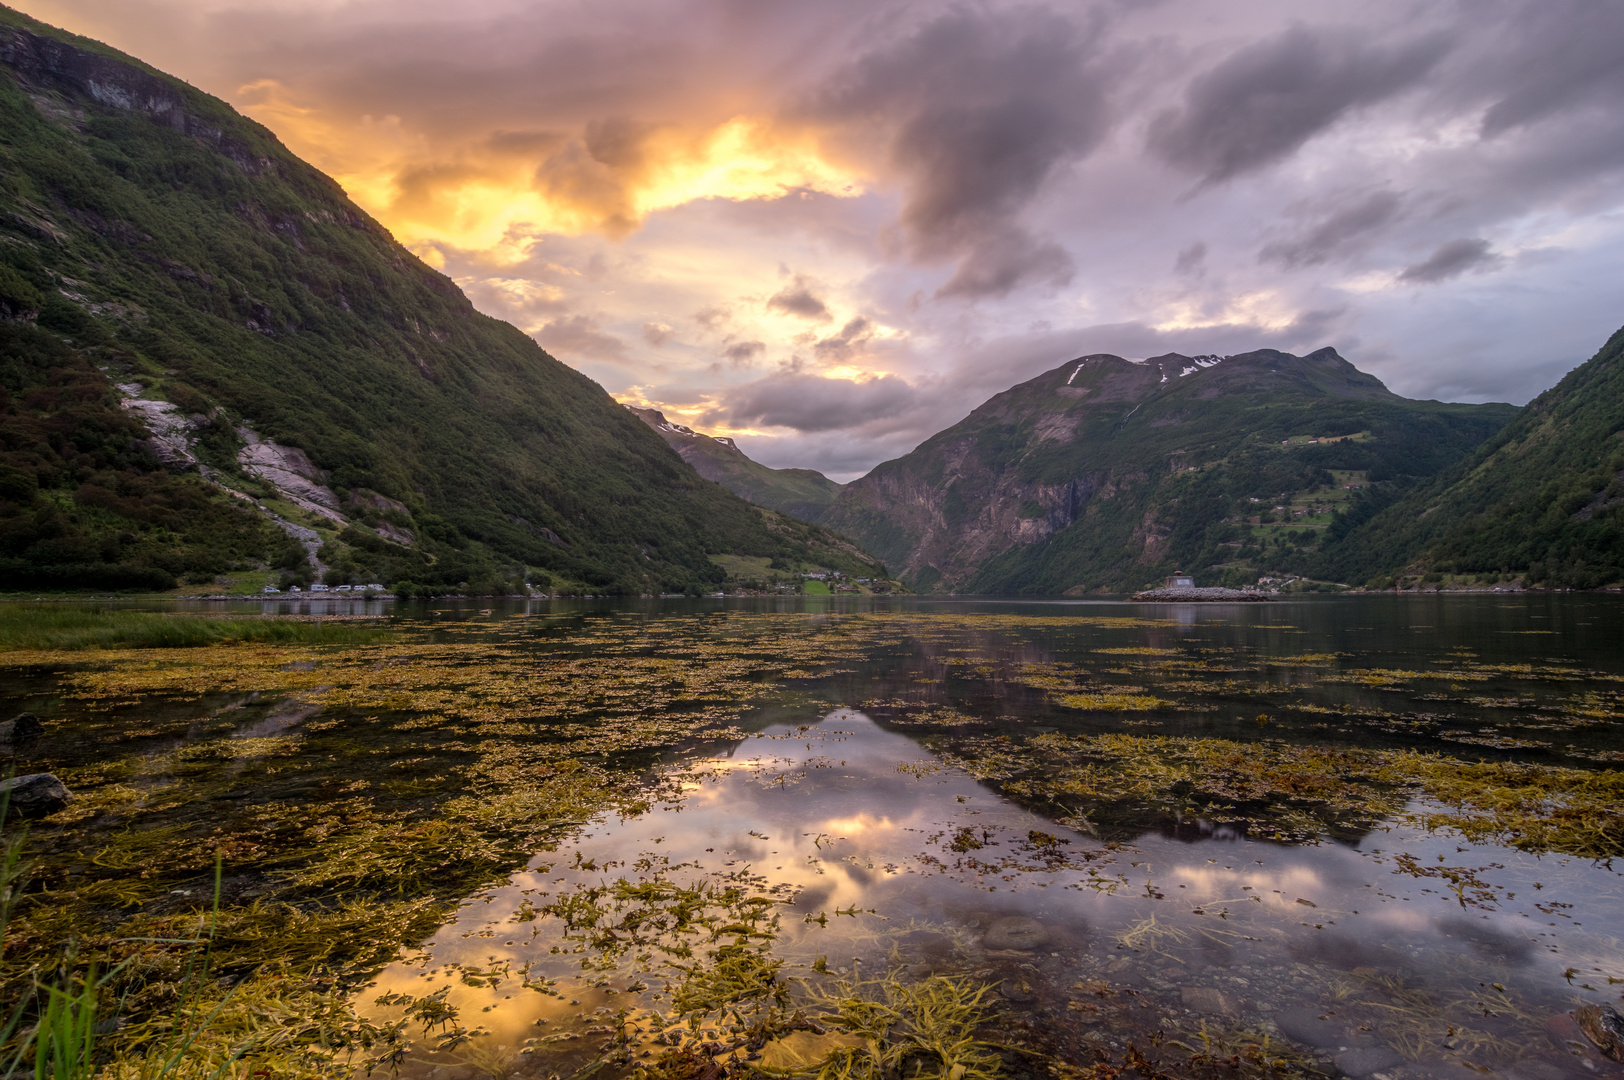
[[486, 197], [831, 230]]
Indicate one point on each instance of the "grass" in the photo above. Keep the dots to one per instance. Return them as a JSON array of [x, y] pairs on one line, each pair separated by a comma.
[[40, 627]]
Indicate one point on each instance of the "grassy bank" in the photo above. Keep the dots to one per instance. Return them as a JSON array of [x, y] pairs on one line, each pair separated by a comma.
[[57, 627]]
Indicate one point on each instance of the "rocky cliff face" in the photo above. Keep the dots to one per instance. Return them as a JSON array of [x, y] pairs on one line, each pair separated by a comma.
[[1100, 471]]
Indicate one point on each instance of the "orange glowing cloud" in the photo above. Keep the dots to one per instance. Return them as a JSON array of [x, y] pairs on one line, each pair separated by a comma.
[[491, 193]]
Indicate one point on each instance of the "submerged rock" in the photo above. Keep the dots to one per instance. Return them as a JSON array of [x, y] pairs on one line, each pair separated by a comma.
[[1604, 1027], [22, 726], [1019, 990], [1368, 1059], [1015, 932], [36, 795], [1206, 999], [1310, 1025]]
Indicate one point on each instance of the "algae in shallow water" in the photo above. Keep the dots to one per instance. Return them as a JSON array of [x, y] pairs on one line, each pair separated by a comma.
[[410, 774]]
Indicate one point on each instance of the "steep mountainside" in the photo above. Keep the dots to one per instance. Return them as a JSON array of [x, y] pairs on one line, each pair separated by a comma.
[[210, 359], [803, 493], [1107, 473], [1542, 500]]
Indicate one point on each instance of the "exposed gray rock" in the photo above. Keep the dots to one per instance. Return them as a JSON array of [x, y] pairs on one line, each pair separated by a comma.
[[173, 434], [22, 726], [1015, 932], [36, 795], [292, 473], [395, 534]]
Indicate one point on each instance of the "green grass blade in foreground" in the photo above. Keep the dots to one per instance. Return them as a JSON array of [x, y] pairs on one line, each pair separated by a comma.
[[12, 872], [64, 1043], [64, 627]]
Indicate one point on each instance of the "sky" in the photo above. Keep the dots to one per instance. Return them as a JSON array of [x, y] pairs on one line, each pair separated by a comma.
[[830, 229]]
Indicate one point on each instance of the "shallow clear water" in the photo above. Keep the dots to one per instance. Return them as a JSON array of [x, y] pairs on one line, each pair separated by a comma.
[[1368, 963], [1378, 949], [1329, 945]]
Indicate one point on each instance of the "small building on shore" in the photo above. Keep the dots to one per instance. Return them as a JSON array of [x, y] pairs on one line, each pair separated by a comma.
[[1180, 580]]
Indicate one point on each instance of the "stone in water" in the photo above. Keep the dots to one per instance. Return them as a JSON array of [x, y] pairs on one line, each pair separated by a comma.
[[1015, 932]]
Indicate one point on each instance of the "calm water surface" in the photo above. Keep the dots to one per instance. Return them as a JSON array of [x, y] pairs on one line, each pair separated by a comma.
[[1333, 948], [1356, 951]]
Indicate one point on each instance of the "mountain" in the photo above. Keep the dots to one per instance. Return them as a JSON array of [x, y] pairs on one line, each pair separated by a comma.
[[803, 493], [212, 361], [1106, 473], [1542, 500]]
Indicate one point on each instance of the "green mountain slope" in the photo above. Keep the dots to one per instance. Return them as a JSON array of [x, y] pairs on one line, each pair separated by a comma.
[[212, 360], [1107, 474], [803, 493], [1542, 500]]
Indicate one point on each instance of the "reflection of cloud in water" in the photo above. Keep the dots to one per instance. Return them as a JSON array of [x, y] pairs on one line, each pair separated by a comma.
[[842, 828], [1279, 887], [851, 833]]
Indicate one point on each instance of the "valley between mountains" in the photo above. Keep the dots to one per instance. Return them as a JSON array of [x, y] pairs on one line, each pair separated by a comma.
[[217, 372], [1105, 474]]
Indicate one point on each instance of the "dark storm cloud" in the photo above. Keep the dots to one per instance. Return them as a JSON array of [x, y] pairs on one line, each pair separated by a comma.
[[1334, 233], [1562, 55], [995, 265], [809, 403], [976, 110], [798, 299], [1451, 260], [1266, 100]]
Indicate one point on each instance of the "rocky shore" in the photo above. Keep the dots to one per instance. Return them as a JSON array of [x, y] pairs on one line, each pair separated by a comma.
[[1202, 596]]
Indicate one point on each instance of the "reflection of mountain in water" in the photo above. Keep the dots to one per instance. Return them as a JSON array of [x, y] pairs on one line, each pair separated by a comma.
[[883, 861]]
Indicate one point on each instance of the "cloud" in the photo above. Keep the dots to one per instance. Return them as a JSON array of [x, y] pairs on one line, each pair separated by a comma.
[[1565, 56], [811, 403], [846, 343], [1335, 233], [1266, 100], [713, 317], [744, 353], [1451, 260], [1003, 183], [996, 265], [1192, 260], [798, 299], [975, 111], [575, 336]]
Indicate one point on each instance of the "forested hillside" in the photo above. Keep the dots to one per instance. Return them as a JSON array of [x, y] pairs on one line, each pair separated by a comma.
[[211, 360], [1541, 501], [803, 493], [1106, 474]]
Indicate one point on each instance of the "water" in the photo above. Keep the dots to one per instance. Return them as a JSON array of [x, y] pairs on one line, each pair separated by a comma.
[[908, 786]]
